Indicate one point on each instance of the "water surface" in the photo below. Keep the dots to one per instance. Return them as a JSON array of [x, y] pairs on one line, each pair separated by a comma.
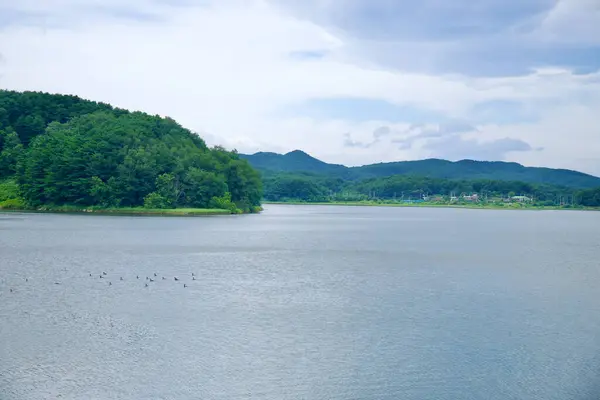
[[301, 302]]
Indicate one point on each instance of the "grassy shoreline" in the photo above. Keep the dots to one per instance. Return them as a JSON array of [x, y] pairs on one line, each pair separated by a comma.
[[516, 206], [131, 211]]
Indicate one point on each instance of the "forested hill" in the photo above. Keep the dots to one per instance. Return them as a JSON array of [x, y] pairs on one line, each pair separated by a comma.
[[298, 161], [63, 150], [294, 161]]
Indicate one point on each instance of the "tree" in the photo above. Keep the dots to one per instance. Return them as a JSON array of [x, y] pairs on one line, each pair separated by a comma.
[[107, 159], [155, 200], [201, 186], [12, 149], [169, 187]]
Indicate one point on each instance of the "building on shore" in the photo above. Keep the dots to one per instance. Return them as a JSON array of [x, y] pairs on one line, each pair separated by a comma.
[[473, 197], [521, 199]]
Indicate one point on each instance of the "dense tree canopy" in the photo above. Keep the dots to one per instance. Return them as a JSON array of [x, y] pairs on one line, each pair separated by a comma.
[[66, 150], [29, 113], [107, 159], [589, 198]]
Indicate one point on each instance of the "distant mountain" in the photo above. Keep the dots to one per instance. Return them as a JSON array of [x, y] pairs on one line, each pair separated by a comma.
[[299, 161], [294, 161]]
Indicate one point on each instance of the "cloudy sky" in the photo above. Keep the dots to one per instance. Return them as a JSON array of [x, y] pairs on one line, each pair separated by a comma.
[[349, 81]]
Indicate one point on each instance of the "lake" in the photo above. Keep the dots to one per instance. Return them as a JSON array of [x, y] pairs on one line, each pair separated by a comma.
[[302, 302]]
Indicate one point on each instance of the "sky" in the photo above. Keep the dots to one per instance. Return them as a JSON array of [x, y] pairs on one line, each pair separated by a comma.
[[348, 81]]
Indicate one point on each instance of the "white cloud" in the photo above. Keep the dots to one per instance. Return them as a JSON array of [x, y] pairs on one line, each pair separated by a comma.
[[223, 69], [572, 21]]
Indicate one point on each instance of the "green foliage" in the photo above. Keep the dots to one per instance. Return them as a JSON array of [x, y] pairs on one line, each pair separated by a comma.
[[290, 187], [29, 113], [11, 151], [156, 201], [168, 188], [307, 187], [224, 203], [9, 190], [12, 204], [63, 150], [244, 183], [589, 198], [201, 186], [105, 159]]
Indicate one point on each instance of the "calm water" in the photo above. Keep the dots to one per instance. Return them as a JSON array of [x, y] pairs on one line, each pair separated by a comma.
[[302, 303]]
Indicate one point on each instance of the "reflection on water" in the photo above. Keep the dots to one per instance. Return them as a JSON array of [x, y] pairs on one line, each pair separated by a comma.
[[301, 303]]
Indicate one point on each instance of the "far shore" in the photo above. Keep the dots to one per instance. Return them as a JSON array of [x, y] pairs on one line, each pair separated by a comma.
[[517, 206]]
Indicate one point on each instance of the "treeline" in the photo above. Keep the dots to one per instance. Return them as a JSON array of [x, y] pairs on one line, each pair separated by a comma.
[[310, 187], [589, 197], [62, 150]]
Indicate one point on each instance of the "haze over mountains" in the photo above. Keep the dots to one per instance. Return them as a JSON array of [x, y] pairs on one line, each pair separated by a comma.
[[299, 161]]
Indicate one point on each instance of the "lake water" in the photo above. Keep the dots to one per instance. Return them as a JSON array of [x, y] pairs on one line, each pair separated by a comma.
[[302, 302]]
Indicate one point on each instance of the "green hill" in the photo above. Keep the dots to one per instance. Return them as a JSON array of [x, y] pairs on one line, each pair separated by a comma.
[[294, 161], [297, 161], [63, 150]]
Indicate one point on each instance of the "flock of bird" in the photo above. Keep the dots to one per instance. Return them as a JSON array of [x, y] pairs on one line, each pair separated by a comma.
[[147, 281]]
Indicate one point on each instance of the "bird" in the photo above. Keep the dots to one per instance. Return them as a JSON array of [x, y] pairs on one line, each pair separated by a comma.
[[155, 274], [109, 283], [137, 277], [193, 278], [146, 285], [121, 278], [192, 274], [57, 283], [101, 277], [11, 290], [151, 280], [26, 279], [164, 278], [176, 278], [184, 285], [90, 274], [147, 278], [104, 273]]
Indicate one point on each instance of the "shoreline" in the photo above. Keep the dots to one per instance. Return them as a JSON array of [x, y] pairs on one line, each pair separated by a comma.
[[183, 212], [432, 205]]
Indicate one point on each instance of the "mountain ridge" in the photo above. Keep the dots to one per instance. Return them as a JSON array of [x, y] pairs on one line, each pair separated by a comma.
[[300, 161]]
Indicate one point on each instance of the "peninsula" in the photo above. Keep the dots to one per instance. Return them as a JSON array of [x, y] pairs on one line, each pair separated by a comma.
[[61, 153]]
